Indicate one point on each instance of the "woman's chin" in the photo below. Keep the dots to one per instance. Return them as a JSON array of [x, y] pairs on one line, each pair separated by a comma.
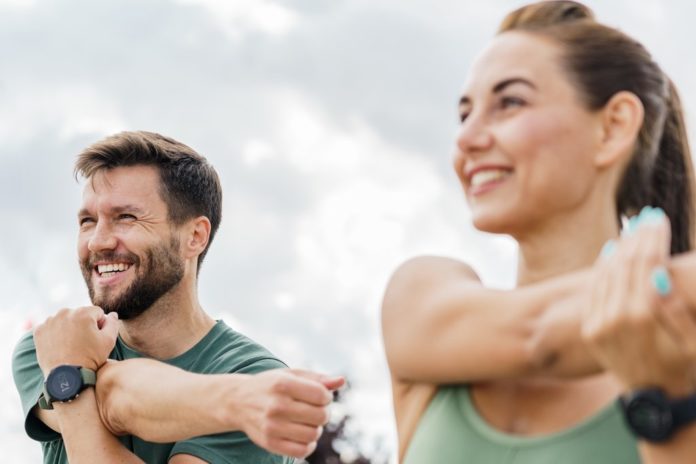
[[492, 223]]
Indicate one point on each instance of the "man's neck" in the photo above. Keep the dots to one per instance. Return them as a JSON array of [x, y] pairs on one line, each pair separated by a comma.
[[170, 327]]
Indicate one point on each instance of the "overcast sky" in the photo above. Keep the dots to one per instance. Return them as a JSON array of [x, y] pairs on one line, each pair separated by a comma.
[[331, 124]]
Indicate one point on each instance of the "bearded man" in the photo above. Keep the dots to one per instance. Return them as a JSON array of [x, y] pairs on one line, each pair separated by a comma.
[[145, 374]]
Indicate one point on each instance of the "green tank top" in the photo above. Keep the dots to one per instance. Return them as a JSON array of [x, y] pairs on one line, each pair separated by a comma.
[[451, 431]]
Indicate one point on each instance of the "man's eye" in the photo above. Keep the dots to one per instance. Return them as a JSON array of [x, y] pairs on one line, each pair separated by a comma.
[[463, 116], [127, 217], [85, 220]]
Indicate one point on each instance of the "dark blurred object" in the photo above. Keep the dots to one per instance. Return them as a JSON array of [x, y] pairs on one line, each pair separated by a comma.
[[335, 434]]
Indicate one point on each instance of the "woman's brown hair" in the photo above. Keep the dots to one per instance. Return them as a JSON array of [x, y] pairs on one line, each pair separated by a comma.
[[602, 61]]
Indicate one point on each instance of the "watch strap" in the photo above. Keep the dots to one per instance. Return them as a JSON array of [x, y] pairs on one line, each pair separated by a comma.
[[683, 410], [89, 377]]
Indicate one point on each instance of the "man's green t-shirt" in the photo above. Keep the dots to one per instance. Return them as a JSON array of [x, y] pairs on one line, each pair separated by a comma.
[[222, 350]]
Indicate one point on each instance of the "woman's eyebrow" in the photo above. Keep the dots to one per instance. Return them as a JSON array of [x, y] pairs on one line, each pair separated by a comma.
[[500, 86]]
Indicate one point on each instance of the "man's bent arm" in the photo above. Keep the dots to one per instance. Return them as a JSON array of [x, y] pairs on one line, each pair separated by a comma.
[[281, 410], [86, 438]]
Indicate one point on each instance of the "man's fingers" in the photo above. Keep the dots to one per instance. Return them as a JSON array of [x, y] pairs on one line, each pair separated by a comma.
[[305, 389], [299, 433], [334, 383], [93, 312], [331, 382], [291, 448], [110, 326], [304, 413]]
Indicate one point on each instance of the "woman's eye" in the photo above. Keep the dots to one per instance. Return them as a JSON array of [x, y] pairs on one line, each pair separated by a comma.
[[127, 217], [511, 102], [463, 116]]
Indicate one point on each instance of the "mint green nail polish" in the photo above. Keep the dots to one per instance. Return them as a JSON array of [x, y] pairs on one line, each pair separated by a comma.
[[633, 224], [608, 249], [661, 281], [656, 216]]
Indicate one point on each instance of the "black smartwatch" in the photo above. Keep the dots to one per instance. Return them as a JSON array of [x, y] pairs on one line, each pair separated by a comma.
[[653, 417], [64, 384]]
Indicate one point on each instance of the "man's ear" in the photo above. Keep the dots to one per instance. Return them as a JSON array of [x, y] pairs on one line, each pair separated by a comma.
[[197, 236], [621, 120]]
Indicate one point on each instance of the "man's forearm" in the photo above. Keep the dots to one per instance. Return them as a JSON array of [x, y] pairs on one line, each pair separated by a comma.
[[162, 403], [86, 438]]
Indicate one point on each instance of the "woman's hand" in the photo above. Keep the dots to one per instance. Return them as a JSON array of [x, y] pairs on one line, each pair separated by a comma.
[[636, 324]]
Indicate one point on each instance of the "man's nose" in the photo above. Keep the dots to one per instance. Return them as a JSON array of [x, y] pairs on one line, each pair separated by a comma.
[[102, 238]]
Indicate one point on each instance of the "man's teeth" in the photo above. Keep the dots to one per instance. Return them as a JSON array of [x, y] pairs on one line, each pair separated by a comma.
[[107, 270], [482, 177]]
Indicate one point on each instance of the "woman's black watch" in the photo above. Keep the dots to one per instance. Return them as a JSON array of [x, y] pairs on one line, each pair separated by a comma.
[[654, 417], [64, 384]]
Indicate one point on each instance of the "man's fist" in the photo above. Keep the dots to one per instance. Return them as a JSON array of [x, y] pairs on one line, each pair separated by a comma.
[[284, 410], [82, 337]]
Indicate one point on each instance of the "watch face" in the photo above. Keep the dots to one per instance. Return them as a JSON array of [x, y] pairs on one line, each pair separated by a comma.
[[650, 417], [64, 383]]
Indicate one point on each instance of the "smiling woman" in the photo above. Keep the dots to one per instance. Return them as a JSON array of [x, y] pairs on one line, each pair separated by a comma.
[[567, 127]]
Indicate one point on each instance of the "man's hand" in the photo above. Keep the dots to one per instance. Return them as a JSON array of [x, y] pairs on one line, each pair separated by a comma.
[[82, 337], [284, 410]]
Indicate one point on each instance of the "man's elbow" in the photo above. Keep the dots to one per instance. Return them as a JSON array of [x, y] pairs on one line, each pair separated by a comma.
[[112, 401]]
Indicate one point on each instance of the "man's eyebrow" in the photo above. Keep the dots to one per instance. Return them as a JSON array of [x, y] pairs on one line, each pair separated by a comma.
[[115, 210], [127, 209], [500, 86]]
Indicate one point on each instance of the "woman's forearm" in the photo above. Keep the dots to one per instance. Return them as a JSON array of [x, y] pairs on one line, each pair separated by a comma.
[[558, 349]]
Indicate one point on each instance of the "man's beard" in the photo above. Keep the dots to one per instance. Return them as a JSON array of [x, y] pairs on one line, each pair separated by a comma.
[[158, 273]]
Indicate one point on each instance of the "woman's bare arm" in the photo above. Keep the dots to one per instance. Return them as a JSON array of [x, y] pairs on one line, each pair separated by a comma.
[[441, 325]]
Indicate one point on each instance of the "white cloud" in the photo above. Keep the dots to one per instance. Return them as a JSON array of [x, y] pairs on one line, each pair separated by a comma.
[[17, 3], [235, 18], [31, 108]]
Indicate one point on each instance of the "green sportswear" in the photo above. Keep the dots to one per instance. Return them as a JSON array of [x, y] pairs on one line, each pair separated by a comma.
[[452, 432], [221, 350]]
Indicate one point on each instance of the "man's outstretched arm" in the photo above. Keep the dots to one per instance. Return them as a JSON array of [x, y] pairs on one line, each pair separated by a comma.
[[281, 410]]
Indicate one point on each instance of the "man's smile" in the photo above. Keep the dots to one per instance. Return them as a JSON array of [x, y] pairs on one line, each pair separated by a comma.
[[111, 273]]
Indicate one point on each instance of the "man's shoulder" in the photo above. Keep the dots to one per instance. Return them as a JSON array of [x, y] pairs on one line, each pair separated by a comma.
[[225, 350], [24, 354]]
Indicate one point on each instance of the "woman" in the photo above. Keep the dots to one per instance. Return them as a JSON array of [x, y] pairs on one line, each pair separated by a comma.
[[568, 127]]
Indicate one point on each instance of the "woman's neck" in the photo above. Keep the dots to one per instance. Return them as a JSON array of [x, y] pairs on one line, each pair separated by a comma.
[[563, 244]]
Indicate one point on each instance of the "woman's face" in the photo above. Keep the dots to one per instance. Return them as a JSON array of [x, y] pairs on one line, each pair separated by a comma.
[[525, 145]]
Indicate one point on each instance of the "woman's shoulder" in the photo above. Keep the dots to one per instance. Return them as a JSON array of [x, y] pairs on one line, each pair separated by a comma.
[[426, 269]]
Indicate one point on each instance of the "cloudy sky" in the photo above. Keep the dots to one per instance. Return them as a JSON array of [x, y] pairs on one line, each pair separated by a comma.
[[331, 124]]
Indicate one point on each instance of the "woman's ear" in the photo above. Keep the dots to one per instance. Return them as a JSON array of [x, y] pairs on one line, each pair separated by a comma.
[[197, 236], [621, 120]]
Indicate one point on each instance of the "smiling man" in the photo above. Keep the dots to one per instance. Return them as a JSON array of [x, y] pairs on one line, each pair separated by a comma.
[[145, 374]]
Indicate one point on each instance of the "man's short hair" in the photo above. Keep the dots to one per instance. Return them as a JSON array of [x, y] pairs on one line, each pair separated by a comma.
[[189, 185]]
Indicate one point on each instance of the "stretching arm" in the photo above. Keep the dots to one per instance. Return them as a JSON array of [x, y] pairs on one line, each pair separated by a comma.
[[441, 325], [281, 410]]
